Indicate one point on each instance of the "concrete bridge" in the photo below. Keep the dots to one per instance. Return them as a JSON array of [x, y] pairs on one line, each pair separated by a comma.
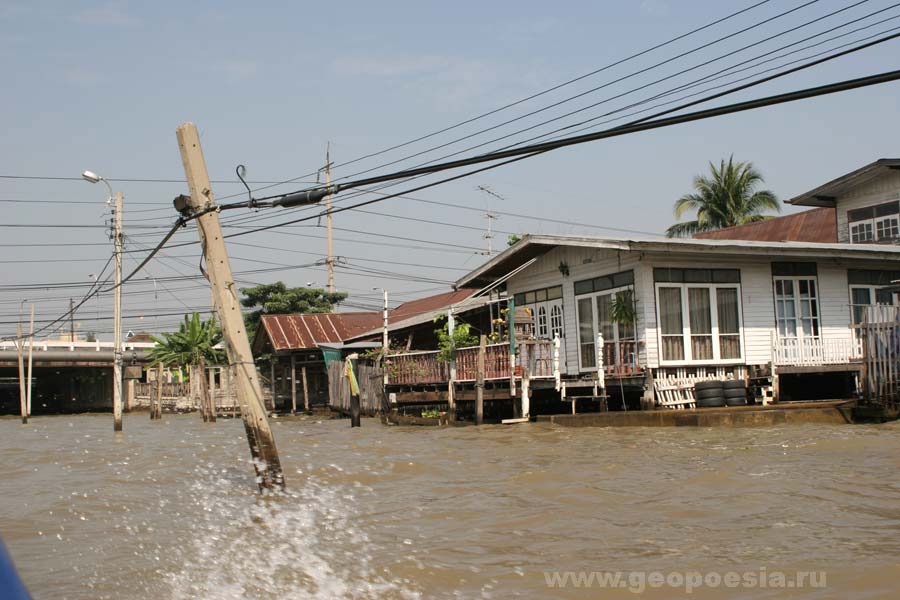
[[67, 376]]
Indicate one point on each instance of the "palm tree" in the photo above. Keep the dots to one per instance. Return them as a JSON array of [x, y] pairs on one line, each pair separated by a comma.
[[726, 198], [193, 340]]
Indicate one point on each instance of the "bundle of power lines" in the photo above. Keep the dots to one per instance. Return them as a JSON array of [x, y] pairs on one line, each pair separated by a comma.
[[746, 50]]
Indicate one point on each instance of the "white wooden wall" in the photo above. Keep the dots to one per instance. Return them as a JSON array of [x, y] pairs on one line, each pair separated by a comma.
[[584, 263], [881, 189], [757, 299]]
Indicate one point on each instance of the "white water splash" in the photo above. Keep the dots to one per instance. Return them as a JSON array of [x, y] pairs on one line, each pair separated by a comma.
[[301, 544]]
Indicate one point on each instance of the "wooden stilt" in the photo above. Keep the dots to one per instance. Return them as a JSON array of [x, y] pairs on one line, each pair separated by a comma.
[[129, 395], [305, 390], [204, 394], [293, 384]]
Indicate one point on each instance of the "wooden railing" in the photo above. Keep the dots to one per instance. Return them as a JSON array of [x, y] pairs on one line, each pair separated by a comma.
[[416, 367], [413, 368], [496, 362], [880, 342], [621, 358], [815, 351]]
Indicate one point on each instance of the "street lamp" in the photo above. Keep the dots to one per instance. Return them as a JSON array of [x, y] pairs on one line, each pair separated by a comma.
[[92, 177]]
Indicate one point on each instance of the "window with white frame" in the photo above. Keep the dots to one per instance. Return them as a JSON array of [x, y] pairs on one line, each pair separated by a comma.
[[795, 287], [867, 289], [595, 298], [699, 314], [546, 307], [874, 223]]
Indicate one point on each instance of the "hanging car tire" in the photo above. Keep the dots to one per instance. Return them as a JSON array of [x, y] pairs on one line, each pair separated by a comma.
[[704, 394], [710, 402], [733, 384]]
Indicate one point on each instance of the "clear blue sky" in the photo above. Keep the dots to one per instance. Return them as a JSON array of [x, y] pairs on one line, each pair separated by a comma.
[[103, 85]]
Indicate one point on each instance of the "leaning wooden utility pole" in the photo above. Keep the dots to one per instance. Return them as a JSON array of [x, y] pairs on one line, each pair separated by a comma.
[[330, 260], [227, 305]]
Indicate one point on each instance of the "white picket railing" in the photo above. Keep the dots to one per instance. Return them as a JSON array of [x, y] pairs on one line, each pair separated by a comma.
[[815, 351]]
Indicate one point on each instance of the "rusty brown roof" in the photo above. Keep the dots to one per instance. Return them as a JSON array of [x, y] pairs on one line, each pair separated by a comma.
[[816, 225], [306, 331], [430, 304]]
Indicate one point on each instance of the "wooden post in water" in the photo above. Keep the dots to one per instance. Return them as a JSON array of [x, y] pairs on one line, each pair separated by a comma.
[[354, 390], [198, 388], [156, 406], [206, 399], [22, 400], [293, 384], [479, 381], [266, 461], [272, 386], [305, 390], [129, 395]]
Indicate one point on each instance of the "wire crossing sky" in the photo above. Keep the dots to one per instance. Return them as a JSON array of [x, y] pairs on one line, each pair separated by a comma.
[[386, 84]]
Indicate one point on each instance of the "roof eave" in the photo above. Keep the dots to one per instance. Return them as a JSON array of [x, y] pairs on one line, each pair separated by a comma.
[[824, 195]]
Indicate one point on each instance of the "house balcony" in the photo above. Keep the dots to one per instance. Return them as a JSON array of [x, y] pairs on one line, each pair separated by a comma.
[[424, 368], [815, 351]]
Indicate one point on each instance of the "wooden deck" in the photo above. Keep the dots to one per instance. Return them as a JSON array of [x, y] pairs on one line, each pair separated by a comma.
[[827, 412]]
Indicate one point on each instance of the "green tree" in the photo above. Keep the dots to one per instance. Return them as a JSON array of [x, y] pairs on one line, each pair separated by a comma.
[[513, 238], [276, 298], [729, 196], [194, 338], [462, 337]]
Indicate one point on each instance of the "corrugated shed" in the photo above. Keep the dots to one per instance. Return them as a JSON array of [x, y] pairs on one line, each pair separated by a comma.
[[816, 225], [306, 331]]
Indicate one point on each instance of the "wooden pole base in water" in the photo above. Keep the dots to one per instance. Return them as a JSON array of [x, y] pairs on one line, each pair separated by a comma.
[[156, 402], [354, 410], [224, 291]]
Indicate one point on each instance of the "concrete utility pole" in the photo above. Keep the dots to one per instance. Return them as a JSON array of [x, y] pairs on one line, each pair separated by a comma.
[[117, 315], [384, 337], [228, 307], [30, 362], [20, 343], [330, 260], [71, 320], [117, 238]]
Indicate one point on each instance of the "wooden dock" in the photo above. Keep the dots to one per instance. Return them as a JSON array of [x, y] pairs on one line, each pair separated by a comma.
[[836, 412]]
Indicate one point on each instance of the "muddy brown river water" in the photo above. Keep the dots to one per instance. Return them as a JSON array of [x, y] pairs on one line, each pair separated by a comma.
[[170, 510]]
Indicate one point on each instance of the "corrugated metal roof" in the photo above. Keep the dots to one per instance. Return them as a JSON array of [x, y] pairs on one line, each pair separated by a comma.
[[816, 225], [824, 195], [306, 331], [309, 331], [430, 304]]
